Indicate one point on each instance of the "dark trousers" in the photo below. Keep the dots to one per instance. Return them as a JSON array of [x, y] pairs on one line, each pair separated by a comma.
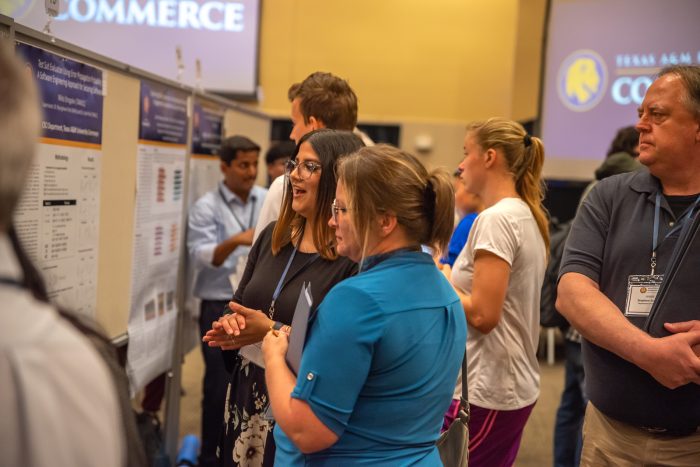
[[216, 378], [153, 394], [569, 421]]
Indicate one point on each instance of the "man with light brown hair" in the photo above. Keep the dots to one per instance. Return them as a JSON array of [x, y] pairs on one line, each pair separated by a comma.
[[322, 100]]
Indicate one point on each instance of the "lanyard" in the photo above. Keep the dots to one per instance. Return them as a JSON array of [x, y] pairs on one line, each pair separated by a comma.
[[252, 212], [282, 283], [655, 237]]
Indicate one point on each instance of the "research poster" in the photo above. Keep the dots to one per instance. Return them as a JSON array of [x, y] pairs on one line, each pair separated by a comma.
[[207, 132], [58, 216], [158, 219]]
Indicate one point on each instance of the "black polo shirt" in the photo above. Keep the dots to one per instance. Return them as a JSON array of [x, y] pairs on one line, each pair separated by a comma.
[[611, 239]]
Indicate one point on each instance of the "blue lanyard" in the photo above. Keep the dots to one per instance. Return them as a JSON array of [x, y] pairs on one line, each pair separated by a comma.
[[252, 211], [655, 238], [282, 283]]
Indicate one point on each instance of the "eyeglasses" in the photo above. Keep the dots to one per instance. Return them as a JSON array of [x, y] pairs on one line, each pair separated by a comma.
[[336, 209], [304, 169]]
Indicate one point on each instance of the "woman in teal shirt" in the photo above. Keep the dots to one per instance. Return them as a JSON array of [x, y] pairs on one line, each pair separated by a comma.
[[384, 349]]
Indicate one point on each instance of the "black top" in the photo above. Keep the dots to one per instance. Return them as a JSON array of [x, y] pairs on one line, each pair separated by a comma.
[[263, 272], [611, 239], [679, 204]]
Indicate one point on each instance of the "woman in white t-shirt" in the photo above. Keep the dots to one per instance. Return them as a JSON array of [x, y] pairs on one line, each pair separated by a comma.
[[498, 276]]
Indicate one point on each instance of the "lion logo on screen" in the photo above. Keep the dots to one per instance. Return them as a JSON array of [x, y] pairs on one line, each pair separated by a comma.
[[582, 80]]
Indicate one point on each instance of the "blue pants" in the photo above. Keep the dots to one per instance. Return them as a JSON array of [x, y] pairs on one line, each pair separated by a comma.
[[216, 379], [569, 421]]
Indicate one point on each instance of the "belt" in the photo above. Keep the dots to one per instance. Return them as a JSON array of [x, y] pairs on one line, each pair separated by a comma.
[[671, 432]]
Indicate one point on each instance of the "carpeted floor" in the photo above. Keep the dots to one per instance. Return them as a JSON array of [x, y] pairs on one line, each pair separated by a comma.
[[535, 450]]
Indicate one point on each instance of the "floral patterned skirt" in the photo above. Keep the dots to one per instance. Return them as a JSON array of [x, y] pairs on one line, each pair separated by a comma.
[[246, 439]]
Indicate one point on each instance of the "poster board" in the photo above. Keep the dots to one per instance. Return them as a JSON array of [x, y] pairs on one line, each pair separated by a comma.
[[118, 186], [158, 228], [57, 219]]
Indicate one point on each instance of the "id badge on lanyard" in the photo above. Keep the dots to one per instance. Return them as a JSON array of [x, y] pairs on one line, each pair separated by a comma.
[[642, 289], [641, 293]]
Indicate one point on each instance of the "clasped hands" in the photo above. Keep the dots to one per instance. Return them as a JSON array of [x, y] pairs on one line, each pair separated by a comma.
[[242, 327], [675, 360]]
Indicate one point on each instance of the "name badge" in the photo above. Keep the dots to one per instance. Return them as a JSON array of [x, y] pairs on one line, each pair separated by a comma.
[[641, 293]]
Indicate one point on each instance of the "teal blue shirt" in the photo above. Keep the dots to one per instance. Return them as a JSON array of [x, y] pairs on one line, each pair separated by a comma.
[[380, 365]]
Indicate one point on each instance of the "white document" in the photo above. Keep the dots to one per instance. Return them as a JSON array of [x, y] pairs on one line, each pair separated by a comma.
[[253, 352]]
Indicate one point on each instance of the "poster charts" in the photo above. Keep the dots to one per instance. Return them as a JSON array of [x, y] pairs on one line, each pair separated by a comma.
[[161, 158], [57, 219]]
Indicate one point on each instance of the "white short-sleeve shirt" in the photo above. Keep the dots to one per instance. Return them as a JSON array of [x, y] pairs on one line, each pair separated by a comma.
[[502, 369]]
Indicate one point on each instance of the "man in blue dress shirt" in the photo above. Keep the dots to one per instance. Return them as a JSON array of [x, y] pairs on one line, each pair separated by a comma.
[[220, 232]]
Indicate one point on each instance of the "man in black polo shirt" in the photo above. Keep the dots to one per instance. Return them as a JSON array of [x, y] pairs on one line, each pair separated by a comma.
[[644, 392]]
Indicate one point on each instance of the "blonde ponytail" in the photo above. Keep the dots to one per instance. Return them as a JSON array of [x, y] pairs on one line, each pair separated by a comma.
[[525, 157], [531, 187]]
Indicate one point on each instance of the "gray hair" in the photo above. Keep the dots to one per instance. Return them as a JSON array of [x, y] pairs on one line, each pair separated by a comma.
[[19, 130], [690, 77]]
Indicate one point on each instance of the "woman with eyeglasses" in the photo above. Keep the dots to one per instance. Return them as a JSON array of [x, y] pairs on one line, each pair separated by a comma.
[[498, 276], [384, 348], [297, 249]]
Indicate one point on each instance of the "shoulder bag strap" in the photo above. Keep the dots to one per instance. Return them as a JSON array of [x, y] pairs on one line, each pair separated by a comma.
[[464, 413]]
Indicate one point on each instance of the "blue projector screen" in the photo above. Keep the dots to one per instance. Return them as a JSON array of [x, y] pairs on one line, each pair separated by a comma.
[[222, 34], [601, 57]]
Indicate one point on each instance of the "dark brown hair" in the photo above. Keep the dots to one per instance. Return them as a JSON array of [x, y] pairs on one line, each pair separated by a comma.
[[329, 145], [231, 146]]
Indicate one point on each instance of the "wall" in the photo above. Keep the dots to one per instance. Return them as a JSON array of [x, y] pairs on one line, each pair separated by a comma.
[[528, 57], [451, 59], [429, 67]]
